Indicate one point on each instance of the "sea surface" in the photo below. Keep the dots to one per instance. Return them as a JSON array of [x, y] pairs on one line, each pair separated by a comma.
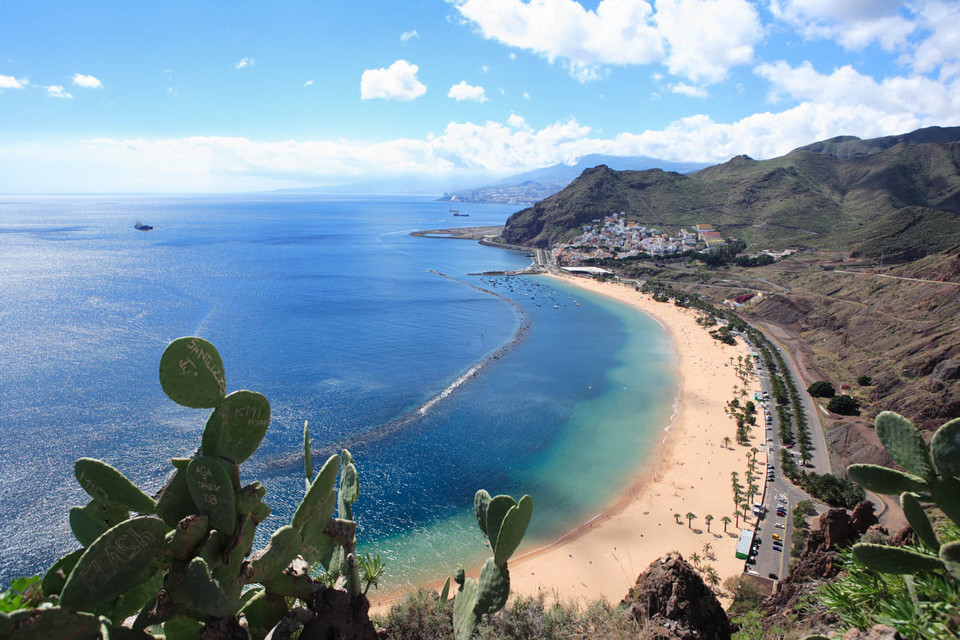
[[333, 311]]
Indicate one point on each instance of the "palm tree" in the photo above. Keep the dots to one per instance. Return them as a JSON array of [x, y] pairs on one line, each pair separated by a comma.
[[677, 516], [695, 559], [690, 516], [736, 513], [725, 520], [746, 507], [711, 576], [726, 442], [708, 518], [707, 549]]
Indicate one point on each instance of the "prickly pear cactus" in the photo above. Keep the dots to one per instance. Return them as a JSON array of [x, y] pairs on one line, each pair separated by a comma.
[[503, 522], [930, 475], [191, 373]]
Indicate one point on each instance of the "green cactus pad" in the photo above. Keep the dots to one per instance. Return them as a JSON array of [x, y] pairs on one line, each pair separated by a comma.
[[905, 444], [307, 458], [106, 513], [950, 556], [85, 527], [349, 484], [284, 546], [182, 628], [512, 530], [115, 562], [175, 502], [263, 611], [316, 544], [191, 373], [203, 593], [465, 617], [493, 588], [945, 447], [495, 513], [53, 623], [481, 502], [133, 600], [227, 574], [320, 499], [895, 559], [104, 483], [236, 427], [945, 491], [249, 501], [445, 591], [884, 480], [56, 576], [211, 488], [918, 520], [188, 535]]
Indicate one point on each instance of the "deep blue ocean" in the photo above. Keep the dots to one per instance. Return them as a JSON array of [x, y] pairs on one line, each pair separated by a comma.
[[333, 311]]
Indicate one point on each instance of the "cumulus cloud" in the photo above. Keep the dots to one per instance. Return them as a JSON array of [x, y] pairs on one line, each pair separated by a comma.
[[407, 35], [9, 82], [464, 91], [682, 34], [244, 62], [941, 48], [87, 82], [56, 91], [517, 122], [690, 91], [854, 24], [397, 82]]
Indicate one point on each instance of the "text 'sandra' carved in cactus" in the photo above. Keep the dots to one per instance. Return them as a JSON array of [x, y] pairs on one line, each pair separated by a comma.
[[182, 564], [930, 474]]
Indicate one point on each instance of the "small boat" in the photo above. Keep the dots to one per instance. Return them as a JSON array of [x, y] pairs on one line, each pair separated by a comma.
[[139, 226], [456, 212]]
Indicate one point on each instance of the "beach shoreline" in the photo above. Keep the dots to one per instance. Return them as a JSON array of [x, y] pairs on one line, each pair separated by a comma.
[[602, 557]]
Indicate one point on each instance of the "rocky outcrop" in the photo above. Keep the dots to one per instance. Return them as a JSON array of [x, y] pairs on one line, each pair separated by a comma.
[[876, 632], [672, 601]]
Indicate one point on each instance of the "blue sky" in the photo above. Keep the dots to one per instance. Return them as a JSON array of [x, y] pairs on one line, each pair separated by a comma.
[[242, 96]]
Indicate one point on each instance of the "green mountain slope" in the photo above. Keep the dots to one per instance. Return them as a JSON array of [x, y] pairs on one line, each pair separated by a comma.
[[830, 195]]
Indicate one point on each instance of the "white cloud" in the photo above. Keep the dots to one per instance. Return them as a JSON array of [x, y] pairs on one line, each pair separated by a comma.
[[484, 69], [308, 83], [464, 91], [407, 35], [9, 82], [854, 24], [56, 91], [398, 82], [517, 122], [512, 56], [683, 34], [526, 96], [706, 38], [87, 82], [690, 91], [244, 62], [941, 49]]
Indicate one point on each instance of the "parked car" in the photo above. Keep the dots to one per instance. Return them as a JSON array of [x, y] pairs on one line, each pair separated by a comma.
[[777, 537], [773, 576], [778, 525]]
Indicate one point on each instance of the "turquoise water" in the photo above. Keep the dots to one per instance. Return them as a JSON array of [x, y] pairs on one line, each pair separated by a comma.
[[328, 307]]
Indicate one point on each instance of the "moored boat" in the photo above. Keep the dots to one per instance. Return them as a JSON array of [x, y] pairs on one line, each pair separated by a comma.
[[139, 226]]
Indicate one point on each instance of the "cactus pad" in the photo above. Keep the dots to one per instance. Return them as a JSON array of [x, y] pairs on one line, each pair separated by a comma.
[[465, 618], [493, 588], [284, 546], [114, 563], [320, 499], [307, 459], [950, 556], [445, 591], [905, 444], [945, 447], [481, 502], [203, 593], [104, 483], [188, 535], [55, 622], [211, 488], [349, 484], [512, 530], [175, 503], [263, 611], [495, 513], [886, 481], [191, 373], [236, 427], [85, 527], [895, 559], [55, 577], [918, 520]]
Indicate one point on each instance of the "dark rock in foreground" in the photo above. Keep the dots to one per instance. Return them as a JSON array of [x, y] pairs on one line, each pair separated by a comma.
[[672, 601]]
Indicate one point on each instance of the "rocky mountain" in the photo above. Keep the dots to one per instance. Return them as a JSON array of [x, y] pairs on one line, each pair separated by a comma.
[[531, 186], [840, 193]]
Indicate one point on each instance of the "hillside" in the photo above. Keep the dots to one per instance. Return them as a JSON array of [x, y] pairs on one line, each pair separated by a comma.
[[844, 193], [538, 184]]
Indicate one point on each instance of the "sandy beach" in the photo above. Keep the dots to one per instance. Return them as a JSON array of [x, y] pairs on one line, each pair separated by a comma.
[[690, 473]]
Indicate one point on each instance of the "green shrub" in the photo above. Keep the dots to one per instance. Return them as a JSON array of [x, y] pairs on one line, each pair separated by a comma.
[[864, 380], [844, 405], [821, 389]]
